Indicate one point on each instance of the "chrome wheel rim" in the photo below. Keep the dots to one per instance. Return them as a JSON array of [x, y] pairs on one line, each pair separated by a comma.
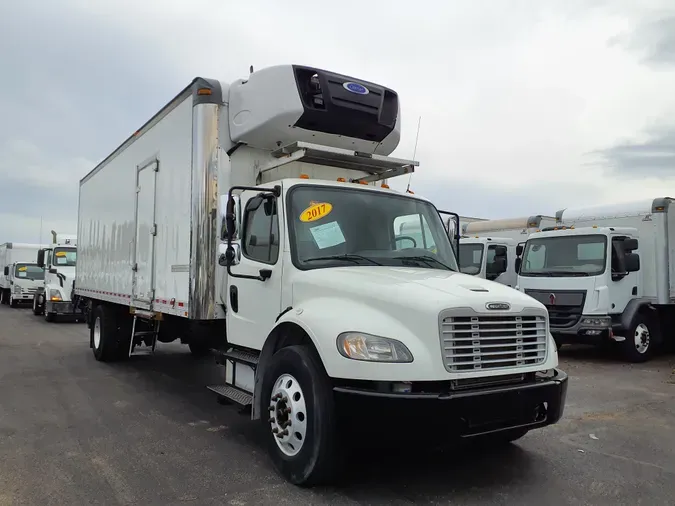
[[641, 338], [288, 415]]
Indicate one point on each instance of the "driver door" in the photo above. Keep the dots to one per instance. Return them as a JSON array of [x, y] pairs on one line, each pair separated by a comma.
[[254, 304]]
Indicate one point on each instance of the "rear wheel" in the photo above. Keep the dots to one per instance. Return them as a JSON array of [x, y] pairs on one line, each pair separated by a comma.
[[199, 348], [107, 339], [299, 417]]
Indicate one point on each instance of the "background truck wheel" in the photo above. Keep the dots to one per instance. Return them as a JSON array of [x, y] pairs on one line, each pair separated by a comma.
[[107, 340], [37, 309], [3, 296], [641, 339], [298, 417], [12, 301]]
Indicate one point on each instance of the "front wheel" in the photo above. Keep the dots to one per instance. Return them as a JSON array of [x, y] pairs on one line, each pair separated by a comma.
[[12, 301], [3, 296], [37, 309], [640, 339], [299, 417]]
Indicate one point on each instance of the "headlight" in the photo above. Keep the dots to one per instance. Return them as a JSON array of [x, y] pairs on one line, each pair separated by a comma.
[[55, 295], [596, 322], [360, 346], [17, 289]]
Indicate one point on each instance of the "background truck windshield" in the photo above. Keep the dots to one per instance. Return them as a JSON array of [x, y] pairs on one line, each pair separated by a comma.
[[371, 228], [470, 258], [64, 257], [574, 255], [29, 271]]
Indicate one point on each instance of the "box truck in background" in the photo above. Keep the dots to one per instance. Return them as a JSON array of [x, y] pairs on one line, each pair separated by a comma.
[[607, 274], [254, 218], [18, 272]]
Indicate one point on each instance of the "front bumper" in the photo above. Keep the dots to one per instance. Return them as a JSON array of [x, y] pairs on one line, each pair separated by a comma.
[[23, 297], [466, 413], [61, 308], [583, 333]]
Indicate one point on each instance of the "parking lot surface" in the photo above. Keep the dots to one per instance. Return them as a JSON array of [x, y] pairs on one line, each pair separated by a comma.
[[74, 431]]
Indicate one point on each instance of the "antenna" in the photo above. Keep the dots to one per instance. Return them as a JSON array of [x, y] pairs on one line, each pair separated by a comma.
[[417, 138]]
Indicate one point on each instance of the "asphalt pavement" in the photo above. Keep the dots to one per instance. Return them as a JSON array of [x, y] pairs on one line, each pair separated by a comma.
[[74, 431]]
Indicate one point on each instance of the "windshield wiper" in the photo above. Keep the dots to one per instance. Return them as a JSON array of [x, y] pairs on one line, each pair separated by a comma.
[[556, 274], [428, 259], [350, 257]]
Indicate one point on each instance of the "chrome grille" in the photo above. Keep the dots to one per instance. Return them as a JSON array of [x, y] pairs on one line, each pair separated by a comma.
[[472, 342]]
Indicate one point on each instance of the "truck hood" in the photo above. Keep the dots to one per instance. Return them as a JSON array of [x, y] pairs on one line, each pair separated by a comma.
[[69, 273], [423, 288]]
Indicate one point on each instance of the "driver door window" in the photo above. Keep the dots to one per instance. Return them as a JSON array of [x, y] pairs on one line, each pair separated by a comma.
[[261, 233]]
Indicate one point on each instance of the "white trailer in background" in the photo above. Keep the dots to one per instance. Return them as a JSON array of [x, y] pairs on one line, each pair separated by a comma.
[[488, 248], [249, 218], [19, 274], [54, 299], [607, 274]]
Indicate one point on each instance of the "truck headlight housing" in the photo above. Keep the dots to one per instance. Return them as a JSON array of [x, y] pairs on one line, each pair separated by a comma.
[[17, 289], [370, 348], [596, 321], [55, 296]]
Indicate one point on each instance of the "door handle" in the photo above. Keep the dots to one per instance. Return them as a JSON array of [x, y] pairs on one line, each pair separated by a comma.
[[234, 298]]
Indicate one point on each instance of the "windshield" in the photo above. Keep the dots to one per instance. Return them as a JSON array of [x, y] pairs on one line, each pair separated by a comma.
[[64, 257], [332, 227], [29, 271], [470, 258], [572, 255]]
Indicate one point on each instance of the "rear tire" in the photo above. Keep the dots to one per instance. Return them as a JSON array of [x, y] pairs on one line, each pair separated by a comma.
[[108, 343], [199, 348], [641, 339], [297, 375]]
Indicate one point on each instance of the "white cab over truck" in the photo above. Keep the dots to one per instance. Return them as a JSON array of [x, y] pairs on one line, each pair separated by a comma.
[[488, 247], [253, 218], [607, 274], [55, 298], [20, 277]]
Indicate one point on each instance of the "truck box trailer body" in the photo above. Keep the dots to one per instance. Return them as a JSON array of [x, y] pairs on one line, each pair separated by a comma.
[[249, 218], [17, 272], [511, 228], [607, 273]]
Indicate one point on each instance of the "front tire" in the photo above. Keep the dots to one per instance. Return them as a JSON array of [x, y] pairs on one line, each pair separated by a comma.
[[641, 339], [37, 309], [299, 417], [3, 296], [13, 302]]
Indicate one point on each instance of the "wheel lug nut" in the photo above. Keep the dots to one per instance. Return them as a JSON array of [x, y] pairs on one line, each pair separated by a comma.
[[275, 430], [271, 420]]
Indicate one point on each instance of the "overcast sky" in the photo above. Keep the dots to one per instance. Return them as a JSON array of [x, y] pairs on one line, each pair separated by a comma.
[[527, 106]]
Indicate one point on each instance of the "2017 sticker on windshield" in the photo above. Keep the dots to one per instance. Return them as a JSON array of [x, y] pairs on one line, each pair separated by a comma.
[[316, 211], [23, 269], [60, 253]]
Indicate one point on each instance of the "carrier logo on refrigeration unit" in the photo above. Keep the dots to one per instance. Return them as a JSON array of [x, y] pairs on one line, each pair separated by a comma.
[[357, 88], [498, 306]]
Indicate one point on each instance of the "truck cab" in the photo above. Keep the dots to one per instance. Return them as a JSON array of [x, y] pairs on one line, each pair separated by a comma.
[[587, 278], [55, 297], [25, 279], [492, 258]]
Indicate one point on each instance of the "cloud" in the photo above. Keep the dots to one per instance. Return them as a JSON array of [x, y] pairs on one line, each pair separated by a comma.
[[653, 156], [654, 39], [511, 95]]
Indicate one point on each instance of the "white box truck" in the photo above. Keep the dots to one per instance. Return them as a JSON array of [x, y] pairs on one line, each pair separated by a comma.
[[54, 299], [488, 247], [19, 274], [248, 218], [607, 274]]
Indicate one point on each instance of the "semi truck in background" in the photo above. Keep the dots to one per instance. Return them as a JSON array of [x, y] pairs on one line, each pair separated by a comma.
[[252, 225], [488, 248], [20, 276], [54, 298], [607, 274]]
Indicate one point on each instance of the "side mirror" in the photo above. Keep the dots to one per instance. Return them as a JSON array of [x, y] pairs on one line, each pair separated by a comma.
[[630, 245], [230, 207], [519, 250], [6, 271], [632, 261], [228, 256], [517, 264], [41, 258]]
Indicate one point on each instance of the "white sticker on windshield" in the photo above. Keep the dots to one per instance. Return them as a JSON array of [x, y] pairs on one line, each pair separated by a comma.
[[327, 235], [22, 274]]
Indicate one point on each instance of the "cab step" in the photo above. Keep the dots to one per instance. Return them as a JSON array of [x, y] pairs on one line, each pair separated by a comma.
[[226, 392], [240, 356]]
